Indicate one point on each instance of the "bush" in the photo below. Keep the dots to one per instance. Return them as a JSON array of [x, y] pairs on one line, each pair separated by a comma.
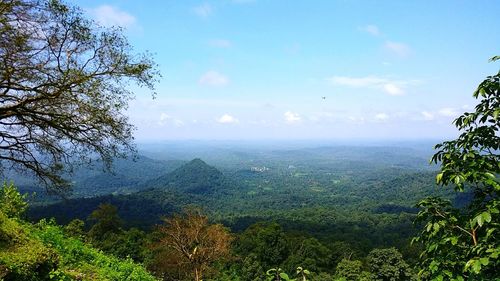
[[23, 258], [44, 252], [12, 203]]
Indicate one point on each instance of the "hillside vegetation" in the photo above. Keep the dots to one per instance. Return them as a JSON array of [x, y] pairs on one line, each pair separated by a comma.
[[42, 251]]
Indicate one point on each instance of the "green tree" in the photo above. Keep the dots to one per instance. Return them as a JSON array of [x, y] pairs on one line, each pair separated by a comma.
[[75, 228], [267, 241], [388, 265], [308, 253], [64, 87], [350, 270], [106, 220], [129, 244], [12, 203], [462, 244], [251, 268]]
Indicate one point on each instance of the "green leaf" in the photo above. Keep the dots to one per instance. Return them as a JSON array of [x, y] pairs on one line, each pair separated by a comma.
[[439, 177], [484, 261], [429, 227], [271, 271], [490, 175], [436, 226], [476, 267], [486, 216], [469, 263], [479, 220], [284, 276], [434, 266], [454, 240], [496, 113], [495, 58]]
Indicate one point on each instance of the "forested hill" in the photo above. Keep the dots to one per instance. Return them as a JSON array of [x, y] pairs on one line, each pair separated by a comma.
[[195, 177], [126, 176], [195, 182]]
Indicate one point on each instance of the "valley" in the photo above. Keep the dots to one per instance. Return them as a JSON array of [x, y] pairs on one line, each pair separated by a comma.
[[361, 195]]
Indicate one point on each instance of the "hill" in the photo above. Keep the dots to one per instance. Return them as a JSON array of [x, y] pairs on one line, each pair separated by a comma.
[[194, 177], [195, 182], [127, 176]]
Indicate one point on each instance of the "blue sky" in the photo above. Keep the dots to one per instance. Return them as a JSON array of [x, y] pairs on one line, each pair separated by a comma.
[[259, 69]]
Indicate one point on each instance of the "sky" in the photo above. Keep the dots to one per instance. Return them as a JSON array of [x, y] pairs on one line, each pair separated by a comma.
[[281, 69]]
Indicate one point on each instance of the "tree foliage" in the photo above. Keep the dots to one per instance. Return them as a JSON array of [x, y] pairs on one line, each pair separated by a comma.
[[462, 244], [106, 221], [308, 253], [267, 241], [75, 228], [43, 251], [64, 85], [12, 203], [188, 242], [349, 269], [388, 265]]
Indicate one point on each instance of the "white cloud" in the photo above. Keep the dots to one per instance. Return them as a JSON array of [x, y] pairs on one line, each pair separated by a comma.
[[292, 117], [163, 118], [227, 119], [393, 90], [399, 49], [427, 115], [371, 29], [220, 43], [112, 16], [356, 119], [381, 116], [213, 78], [166, 119], [448, 112], [204, 10], [391, 87]]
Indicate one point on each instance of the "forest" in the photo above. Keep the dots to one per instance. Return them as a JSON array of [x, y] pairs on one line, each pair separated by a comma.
[[313, 208], [81, 200]]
